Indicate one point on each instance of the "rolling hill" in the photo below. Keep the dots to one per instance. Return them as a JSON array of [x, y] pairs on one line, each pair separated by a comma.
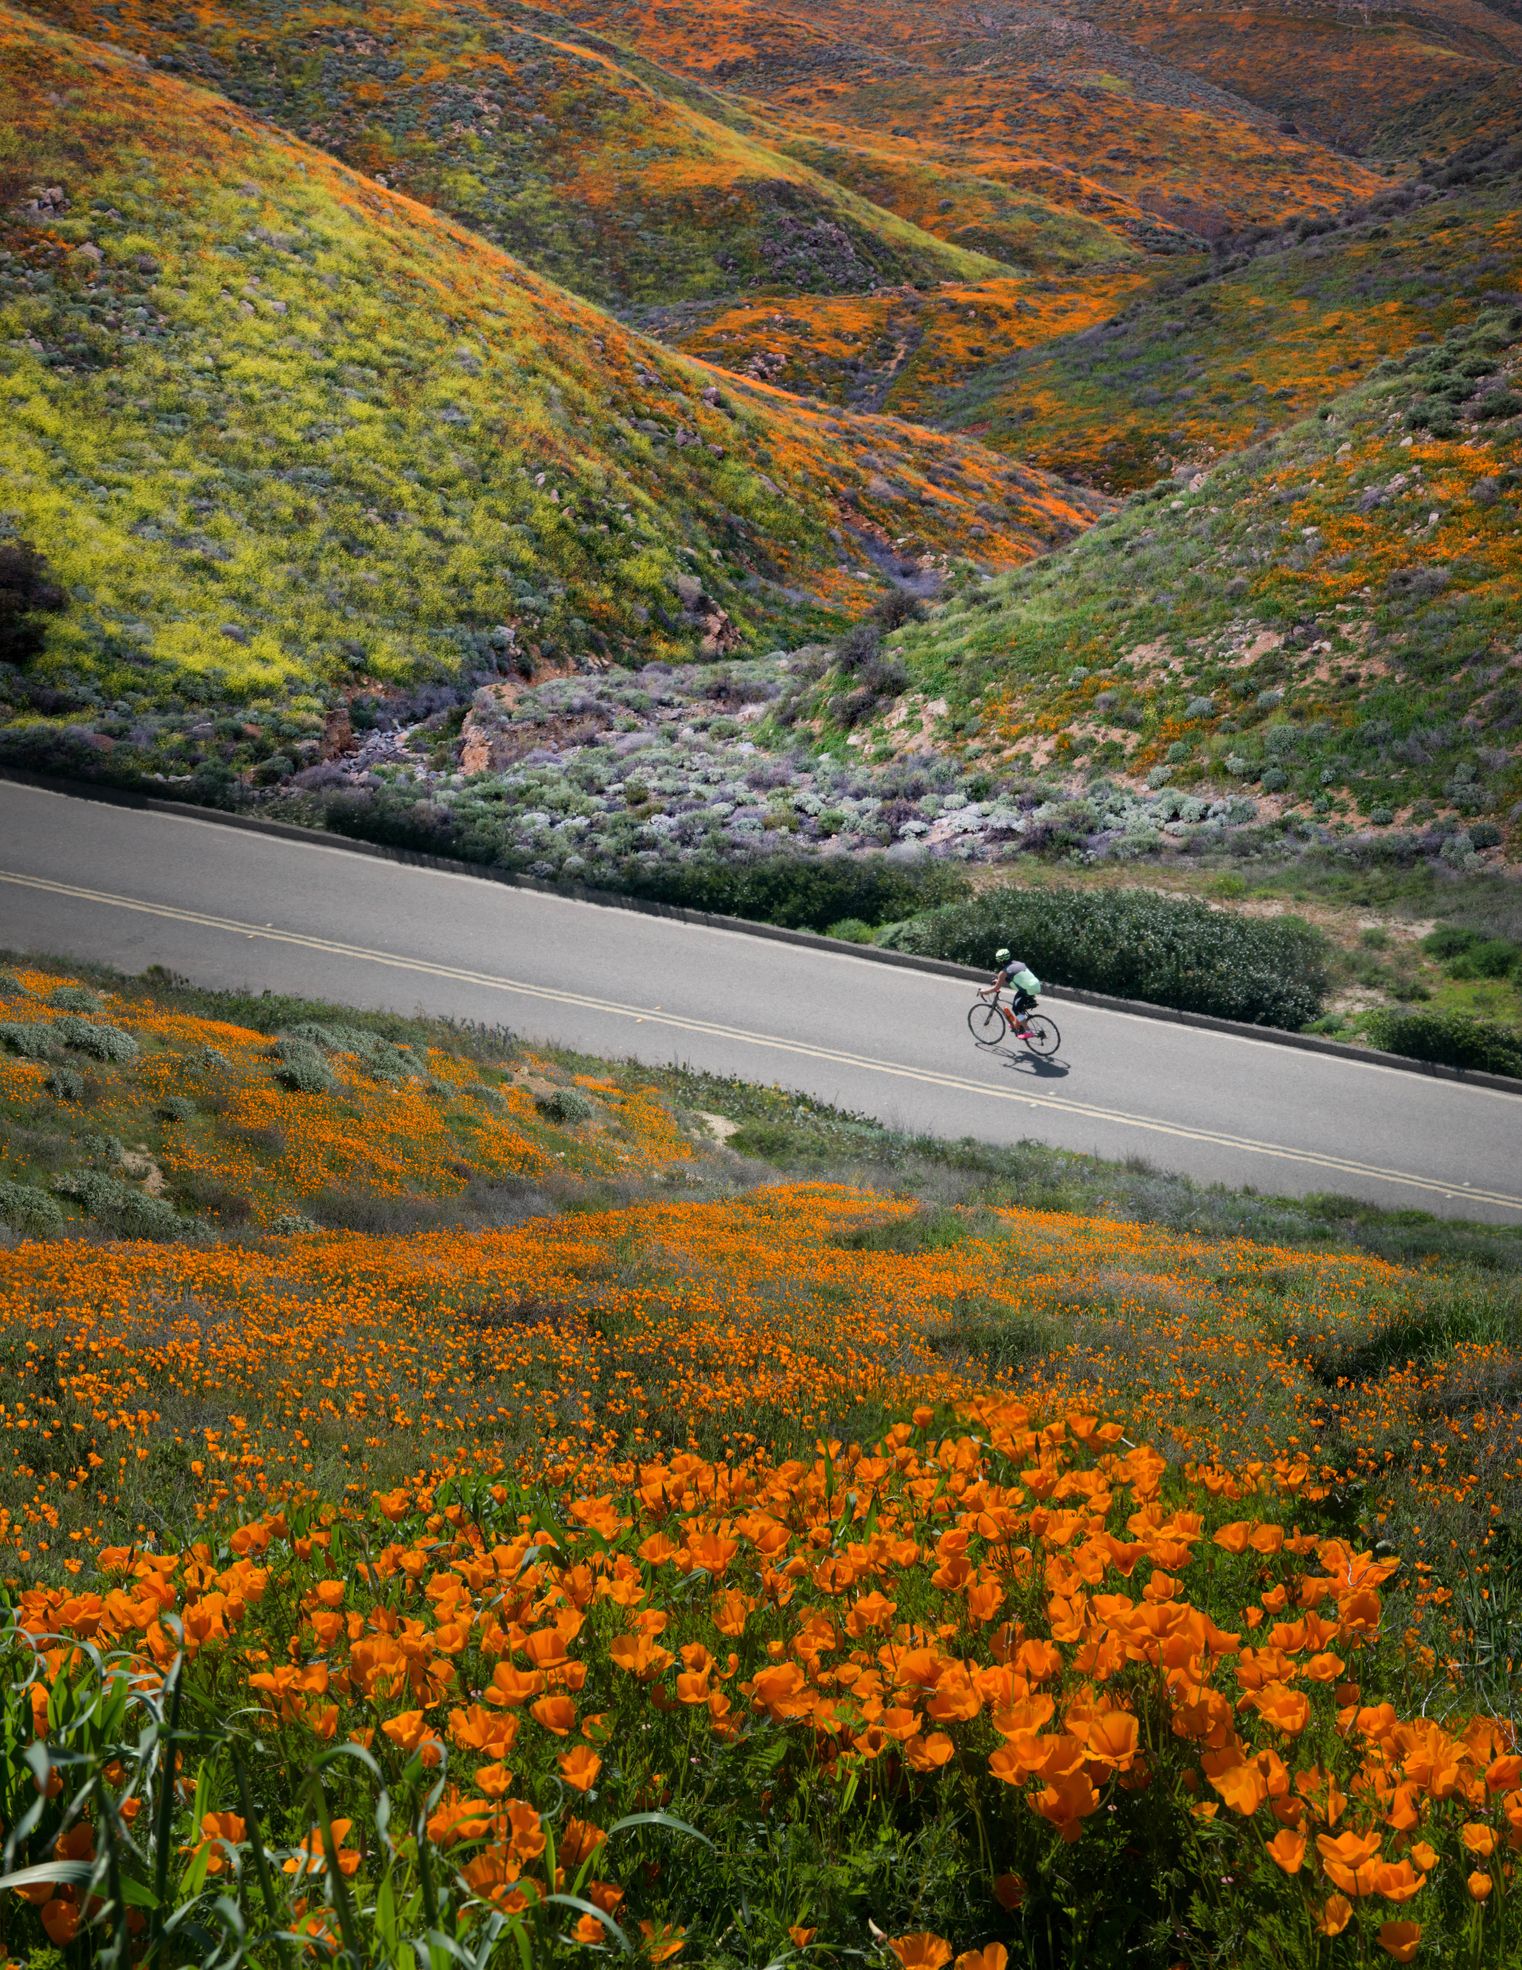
[[1042, 101], [277, 428], [1326, 621], [588, 166], [1390, 78], [1199, 367]]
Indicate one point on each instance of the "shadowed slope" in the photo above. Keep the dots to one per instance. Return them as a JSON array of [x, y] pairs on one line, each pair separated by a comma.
[[1391, 77]]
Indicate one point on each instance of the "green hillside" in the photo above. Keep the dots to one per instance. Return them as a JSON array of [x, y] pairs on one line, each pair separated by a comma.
[[1327, 623], [275, 428]]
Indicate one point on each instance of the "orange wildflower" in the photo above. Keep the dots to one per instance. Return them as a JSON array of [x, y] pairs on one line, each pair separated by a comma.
[[922, 1951], [579, 1767]]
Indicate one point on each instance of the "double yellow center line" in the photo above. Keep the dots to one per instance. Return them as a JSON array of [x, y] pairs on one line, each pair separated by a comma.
[[1333, 1166]]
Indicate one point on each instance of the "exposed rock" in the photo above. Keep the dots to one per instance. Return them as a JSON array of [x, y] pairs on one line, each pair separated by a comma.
[[720, 637], [337, 733]]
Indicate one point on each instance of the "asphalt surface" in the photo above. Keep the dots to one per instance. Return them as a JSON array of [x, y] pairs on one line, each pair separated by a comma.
[[82, 879]]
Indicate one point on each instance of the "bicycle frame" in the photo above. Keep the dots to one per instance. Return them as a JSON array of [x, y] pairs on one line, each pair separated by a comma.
[[992, 995]]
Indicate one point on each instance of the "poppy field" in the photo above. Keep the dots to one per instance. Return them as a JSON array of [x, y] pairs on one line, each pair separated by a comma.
[[626, 1548]]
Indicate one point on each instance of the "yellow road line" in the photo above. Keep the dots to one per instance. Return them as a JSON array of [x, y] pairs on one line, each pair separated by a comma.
[[653, 1016]]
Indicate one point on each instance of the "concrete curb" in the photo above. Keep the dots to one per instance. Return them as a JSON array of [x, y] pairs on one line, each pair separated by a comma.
[[121, 796]]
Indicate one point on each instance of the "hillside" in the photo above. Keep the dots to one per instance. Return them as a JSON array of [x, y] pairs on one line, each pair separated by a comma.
[[705, 1553], [1396, 78], [1326, 622], [1204, 366], [277, 428], [936, 199], [1028, 103], [905, 350], [538, 139]]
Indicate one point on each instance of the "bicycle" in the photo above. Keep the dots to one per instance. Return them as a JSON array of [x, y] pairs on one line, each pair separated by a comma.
[[991, 1023]]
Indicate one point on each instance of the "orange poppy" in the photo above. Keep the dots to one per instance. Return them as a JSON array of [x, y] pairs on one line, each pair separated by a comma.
[[1351, 1860], [920, 1952], [661, 1942], [1285, 1709], [556, 1713], [579, 1767]]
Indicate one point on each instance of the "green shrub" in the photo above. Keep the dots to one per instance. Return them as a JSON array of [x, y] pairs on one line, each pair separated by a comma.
[[798, 892], [565, 1105], [302, 1068], [177, 1108], [32, 1039], [1471, 954], [120, 1207], [76, 998], [1450, 941], [100, 1042], [28, 1210], [1451, 1038], [379, 1056], [1492, 957], [66, 1084], [1169, 951]]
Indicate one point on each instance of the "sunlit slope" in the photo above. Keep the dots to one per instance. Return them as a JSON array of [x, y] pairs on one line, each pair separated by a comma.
[[1326, 622], [1197, 370], [1044, 104], [1397, 78], [506, 118], [271, 423]]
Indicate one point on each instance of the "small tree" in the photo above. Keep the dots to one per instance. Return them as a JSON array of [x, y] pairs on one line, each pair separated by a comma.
[[26, 598]]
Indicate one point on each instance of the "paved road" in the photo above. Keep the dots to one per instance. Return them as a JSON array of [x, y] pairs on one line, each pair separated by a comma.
[[87, 880]]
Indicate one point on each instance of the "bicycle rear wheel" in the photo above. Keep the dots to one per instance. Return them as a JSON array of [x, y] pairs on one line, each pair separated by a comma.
[[987, 1025], [1041, 1035]]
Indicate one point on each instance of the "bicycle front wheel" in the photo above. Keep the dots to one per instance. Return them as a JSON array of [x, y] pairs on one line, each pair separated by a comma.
[[987, 1025], [1041, 1035]]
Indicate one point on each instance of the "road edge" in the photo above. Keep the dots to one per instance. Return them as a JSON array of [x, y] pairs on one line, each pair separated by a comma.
[[124, 796]]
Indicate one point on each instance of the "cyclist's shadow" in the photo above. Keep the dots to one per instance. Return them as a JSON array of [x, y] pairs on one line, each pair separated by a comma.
[[1020, 1061]]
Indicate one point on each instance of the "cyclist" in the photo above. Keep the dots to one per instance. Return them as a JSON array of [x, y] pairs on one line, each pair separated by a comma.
[[1022, 984]]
